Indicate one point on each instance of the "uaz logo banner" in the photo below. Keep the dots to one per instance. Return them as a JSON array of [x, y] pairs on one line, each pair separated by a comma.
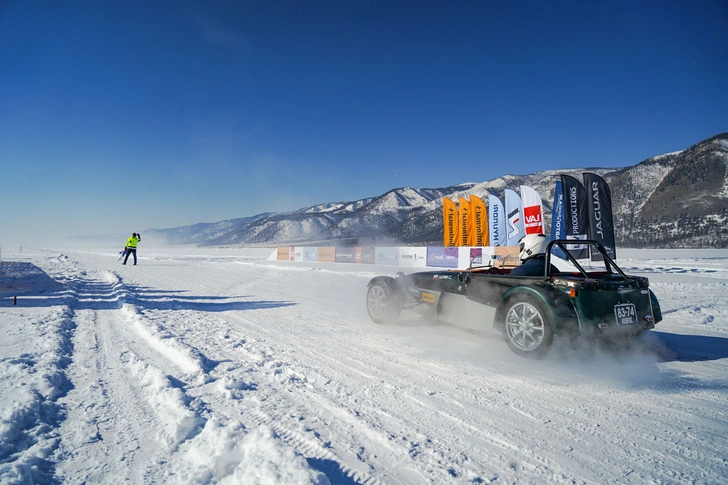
[[532, 210]]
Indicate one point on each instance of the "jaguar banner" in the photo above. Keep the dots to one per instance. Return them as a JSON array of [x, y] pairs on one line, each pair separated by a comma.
[[601, 222]]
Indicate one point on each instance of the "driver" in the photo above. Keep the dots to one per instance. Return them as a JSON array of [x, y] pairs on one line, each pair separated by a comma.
[[533, 256]]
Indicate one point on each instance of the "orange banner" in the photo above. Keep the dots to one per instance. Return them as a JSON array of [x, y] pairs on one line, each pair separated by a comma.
[[478, 232], [464, 207], [450, 220]]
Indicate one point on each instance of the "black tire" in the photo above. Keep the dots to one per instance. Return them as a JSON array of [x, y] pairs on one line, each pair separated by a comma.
[[527, 329], [383, 304]]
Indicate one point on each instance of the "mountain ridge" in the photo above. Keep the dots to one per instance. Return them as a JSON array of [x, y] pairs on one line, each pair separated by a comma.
[[677, 199]]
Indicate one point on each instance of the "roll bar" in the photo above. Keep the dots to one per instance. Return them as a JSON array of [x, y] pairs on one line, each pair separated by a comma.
[[563, 243]]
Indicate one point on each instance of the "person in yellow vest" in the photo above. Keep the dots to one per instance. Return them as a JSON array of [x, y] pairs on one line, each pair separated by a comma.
[[131, 246]]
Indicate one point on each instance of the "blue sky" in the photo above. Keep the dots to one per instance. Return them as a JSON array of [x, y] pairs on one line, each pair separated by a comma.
[[123, 116]]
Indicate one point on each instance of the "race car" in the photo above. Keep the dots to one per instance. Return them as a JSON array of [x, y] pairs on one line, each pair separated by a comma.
[[566, 301]]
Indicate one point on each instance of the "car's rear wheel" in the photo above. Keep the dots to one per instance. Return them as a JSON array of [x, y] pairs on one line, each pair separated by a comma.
[[383, 304], [527, 330]]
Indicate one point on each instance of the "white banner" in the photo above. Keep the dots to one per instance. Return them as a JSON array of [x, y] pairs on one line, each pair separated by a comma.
[[496, 221], [514, 218], [416, 256], [387, 255], [474, 257], [532, 210]]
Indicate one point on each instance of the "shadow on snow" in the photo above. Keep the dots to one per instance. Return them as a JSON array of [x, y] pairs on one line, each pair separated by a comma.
[[34, 288]]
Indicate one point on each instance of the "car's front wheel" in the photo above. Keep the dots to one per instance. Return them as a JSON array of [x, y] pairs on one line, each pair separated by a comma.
[[383, 304], [527, 331]]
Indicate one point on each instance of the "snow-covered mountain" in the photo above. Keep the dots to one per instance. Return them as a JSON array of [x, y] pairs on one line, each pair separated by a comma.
[[674, 200]]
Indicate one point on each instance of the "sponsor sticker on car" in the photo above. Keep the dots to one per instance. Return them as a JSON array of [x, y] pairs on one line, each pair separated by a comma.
[[428, 297]]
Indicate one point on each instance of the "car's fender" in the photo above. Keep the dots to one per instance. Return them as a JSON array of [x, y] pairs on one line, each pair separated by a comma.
[[391, 283], [656, 311], [559, 308]]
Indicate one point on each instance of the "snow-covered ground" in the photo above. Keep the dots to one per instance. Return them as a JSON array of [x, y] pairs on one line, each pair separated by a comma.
[[208, 366]]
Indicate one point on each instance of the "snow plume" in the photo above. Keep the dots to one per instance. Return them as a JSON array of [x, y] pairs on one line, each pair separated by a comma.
[[629, 365]]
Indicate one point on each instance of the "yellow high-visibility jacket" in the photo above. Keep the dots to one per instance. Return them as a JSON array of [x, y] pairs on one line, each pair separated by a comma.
[[132, 242]]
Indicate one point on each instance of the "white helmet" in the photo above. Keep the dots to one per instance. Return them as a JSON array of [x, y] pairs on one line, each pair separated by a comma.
[[532, 245]]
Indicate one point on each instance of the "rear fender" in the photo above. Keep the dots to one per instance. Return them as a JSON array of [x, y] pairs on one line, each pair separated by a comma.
[[391, 283], [656, 311], [559, 309]]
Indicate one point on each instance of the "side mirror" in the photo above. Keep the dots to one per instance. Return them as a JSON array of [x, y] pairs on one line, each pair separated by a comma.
[[464, 278]]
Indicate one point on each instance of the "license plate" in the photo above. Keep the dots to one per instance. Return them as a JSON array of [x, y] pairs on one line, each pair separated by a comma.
[[625, 314]]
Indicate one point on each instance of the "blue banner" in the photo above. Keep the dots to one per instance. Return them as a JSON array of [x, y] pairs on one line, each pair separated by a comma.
[[558, 231], [442, 257], [577, 219]]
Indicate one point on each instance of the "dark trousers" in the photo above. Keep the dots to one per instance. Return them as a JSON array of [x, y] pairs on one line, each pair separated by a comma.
[[128, 252]]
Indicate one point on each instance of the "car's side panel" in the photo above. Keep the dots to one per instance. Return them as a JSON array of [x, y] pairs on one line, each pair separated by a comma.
[[462, 312], [489, 289]]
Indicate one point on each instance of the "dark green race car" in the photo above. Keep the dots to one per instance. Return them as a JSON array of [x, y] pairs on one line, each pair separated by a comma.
[[600, 302]]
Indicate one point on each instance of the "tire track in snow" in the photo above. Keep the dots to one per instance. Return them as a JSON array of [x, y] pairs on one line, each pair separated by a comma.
[[371, 431], [383, 442], [302, 388], [351, 467], [244, 399], [117, 361], [491, 408], [183, 414]]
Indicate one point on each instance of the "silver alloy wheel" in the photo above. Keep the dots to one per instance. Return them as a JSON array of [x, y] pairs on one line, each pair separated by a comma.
[[525, 326], [377, 302]]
